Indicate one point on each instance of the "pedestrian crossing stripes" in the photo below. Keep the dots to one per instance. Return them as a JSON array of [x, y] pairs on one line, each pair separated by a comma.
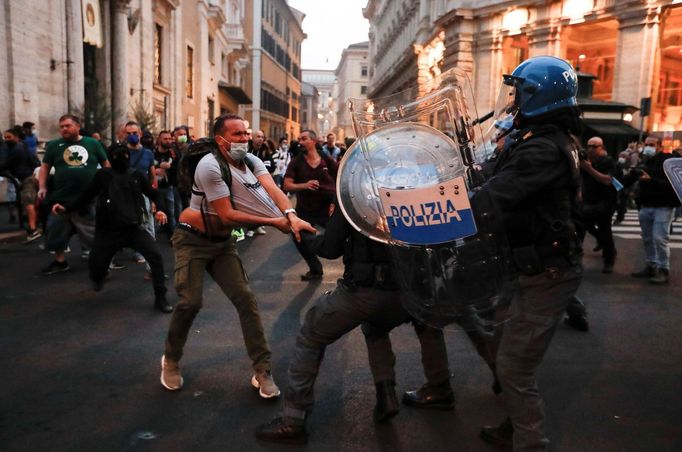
[[629, 229]]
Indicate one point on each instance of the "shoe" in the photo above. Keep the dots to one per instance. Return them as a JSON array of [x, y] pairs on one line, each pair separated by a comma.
[[501, 435], [577, 322], [438, 397], [238, 234], [116, 266], [85, 255], [56, 267], [162, 304], [66, 251], [387, 402], [647, 272], [310, 276], [280, 431], [97, 285], [608, 269], [250, 233], [171, 378], [260, 230], [140, 259], [32, 236], [265, 384], [660, 278]]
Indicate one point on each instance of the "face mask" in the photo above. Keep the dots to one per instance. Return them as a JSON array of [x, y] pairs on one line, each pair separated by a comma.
[[285, 147], [649, 151], [133, 140], [621, 160], [238, 151], [182, 139]]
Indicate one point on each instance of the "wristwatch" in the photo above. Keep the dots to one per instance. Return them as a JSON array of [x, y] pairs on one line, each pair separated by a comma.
[[288, 211]]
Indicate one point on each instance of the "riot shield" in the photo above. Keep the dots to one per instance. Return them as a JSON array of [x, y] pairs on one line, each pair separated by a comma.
[[673, 169], [408, 181]]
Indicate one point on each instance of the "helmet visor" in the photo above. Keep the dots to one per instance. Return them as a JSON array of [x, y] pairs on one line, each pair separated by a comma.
[[499, 122]]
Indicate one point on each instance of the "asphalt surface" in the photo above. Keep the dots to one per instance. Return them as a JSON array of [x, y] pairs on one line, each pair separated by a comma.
[[80, 370]]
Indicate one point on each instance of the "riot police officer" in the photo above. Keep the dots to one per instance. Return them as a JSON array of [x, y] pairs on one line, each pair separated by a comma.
[[367, 295], [536, 184]]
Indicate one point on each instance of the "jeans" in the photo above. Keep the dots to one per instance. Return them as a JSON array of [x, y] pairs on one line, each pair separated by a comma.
[[338, 312], [195, 255], [655, 223], [537, 307]]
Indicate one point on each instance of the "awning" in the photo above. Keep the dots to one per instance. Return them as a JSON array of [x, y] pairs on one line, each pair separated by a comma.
[[611, 129], [235, 92]]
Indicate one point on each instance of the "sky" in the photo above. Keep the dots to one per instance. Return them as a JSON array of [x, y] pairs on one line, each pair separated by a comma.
[[331, 25]]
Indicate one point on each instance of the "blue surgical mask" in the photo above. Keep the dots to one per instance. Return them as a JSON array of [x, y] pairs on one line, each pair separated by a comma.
[[648, 151], [133, 140]]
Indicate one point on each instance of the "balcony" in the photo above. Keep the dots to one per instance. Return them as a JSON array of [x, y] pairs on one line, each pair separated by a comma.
[[234, 32]]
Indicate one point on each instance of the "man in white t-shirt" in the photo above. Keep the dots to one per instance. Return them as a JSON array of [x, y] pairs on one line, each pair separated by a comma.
[[202, 242]]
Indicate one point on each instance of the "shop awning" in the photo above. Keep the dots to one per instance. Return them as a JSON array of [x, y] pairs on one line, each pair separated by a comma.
[[616, 135], [611, 129], [235, 92]]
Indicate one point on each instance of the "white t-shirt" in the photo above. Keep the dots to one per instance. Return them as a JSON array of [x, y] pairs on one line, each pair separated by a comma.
[[247, 193]]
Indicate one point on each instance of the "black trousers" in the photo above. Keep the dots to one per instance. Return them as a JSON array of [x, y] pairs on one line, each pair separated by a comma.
[[108, 242], [338, 312], [599, 225], [304, 247]]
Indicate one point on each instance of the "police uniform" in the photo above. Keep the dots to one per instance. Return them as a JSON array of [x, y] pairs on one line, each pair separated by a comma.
[[367, 295], [536, 184]]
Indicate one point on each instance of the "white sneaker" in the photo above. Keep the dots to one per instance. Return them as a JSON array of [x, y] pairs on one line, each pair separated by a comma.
[[249, 233], [260, 230], [265, 384]]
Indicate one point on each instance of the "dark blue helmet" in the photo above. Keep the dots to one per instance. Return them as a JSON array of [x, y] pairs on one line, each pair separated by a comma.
[[543, 84]]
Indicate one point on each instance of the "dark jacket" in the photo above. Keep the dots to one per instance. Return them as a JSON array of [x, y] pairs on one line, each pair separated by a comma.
[[535, 184], [20, 163], [656, 192]]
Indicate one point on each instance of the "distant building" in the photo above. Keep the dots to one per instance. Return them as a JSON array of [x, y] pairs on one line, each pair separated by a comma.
[[325, 83], [274, 32], [310, 99], [632, 47], [352, 80]]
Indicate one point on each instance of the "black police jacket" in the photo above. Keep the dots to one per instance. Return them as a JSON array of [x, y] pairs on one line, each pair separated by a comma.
[[366, 261], [535, 184]]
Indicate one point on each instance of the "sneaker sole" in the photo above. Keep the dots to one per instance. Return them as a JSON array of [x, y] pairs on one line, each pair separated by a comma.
[[256, 385], [31, 239], [163, 383], [54, 272]]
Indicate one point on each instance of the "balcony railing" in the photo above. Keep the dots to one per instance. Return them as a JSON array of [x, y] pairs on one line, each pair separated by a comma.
[[234, 31]]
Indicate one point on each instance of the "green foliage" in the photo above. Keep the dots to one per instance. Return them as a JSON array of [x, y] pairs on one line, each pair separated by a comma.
[[144, 114], [96, 113]]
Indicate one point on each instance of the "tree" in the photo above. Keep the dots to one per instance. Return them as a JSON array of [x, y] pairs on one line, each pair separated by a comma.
[[144, 115]]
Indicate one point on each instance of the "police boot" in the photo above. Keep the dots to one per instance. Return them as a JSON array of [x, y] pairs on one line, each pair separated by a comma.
[[280, 430], [438, 397], [387, 402], [647, 272], [501, 435], [162, 305]]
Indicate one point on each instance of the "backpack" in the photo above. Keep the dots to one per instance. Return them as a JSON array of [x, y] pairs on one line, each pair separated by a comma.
[[122, 203], [188, 165]]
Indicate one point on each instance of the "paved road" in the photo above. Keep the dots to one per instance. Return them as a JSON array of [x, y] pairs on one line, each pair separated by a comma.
[[80, 370]]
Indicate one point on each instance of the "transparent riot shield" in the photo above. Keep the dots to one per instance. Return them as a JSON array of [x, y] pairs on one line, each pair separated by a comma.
[[410, 181], [673, 169]]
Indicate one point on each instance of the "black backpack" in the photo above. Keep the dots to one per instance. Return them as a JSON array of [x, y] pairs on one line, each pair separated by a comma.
[[122, 202]]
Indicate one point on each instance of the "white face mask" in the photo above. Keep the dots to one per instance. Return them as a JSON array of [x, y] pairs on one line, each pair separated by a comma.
[[238, 151], [621, 160], [649, 151]]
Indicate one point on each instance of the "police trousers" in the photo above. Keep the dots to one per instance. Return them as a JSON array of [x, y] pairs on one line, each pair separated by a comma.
[[195, 255], [338, 312], [537, 307]]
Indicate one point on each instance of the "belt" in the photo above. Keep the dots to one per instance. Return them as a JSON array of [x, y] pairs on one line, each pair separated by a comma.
[[191, 229]]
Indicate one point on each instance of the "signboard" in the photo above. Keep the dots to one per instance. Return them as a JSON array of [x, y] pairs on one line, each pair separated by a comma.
[[430, 215], [92, 23]]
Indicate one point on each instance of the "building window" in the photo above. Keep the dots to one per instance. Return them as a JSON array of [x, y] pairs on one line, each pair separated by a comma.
[[158, 54], [211, 49], [189, 73], [363, 71], [363, 90]]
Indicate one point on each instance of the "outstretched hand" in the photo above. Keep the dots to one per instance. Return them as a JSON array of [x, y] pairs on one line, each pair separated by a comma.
[[298, 225], [58, 209]]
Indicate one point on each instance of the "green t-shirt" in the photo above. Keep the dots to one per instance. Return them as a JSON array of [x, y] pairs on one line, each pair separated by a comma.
[[75, 164]]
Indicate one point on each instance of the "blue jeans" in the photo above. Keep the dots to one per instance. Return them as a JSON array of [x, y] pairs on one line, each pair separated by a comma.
[[168, 196], [655, 223]]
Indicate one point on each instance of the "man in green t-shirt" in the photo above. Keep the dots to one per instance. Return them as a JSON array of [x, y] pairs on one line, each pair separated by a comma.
[[75, 160]]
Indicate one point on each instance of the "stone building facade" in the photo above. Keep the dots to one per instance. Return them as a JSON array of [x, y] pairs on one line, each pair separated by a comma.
[[632, 47], [325, 82], [169, 62], [310, 99], [275, 32], [352, 80]]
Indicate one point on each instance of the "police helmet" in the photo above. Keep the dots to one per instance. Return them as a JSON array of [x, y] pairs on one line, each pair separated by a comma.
[[542, 85]]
